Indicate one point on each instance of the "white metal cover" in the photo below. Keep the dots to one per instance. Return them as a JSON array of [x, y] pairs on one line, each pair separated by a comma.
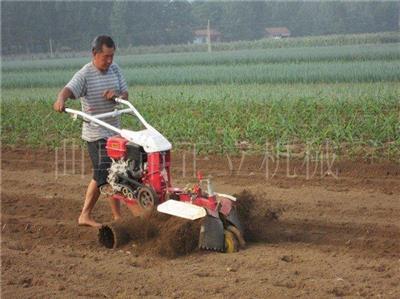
[[151, 140], [182, 209]]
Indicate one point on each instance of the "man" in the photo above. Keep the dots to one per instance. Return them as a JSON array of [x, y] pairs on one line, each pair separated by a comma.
[[96, 84]]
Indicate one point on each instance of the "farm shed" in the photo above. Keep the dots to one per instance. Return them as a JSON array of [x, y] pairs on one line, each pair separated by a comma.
[[277, 32]]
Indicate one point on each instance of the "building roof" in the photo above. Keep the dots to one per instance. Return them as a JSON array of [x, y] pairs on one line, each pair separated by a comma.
[[203, 32], [277, 30]]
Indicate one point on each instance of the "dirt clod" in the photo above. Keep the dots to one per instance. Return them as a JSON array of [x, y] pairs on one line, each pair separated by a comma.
[[287, 258], [255, 218]]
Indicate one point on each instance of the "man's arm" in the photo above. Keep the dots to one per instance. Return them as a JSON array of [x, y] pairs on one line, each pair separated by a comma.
[[63, 96]]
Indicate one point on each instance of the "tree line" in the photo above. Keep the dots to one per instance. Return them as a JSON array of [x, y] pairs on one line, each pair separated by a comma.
[[33, 27]]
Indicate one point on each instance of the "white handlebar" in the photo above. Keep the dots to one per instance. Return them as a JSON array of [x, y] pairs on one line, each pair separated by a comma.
[[92, 119], [97, 118], [138, 115]]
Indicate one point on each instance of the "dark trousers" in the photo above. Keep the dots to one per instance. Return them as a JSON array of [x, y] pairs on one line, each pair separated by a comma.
[[101, 162]]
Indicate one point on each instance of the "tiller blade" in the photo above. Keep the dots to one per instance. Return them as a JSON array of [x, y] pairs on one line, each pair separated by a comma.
[[233, 218], [212, 234]]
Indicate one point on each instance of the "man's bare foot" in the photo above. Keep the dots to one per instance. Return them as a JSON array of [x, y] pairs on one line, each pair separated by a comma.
[[87, 221]]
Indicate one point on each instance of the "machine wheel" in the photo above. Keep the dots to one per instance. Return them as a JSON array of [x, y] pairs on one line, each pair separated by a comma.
[[147, 198], [231, 243], [234, 230]]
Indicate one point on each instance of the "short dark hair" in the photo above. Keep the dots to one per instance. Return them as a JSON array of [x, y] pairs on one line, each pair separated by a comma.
[[99, 41]]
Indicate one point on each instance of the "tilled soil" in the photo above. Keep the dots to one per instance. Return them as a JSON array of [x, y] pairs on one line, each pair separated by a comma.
[[330, 234]]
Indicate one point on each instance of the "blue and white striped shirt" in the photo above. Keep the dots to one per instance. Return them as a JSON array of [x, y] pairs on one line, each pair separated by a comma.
[[89, 84]]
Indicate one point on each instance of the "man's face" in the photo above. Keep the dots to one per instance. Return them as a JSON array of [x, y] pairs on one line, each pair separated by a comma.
[[102, 60]]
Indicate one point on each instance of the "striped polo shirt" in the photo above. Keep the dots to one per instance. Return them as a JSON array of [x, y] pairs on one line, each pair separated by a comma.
[[89, 84]]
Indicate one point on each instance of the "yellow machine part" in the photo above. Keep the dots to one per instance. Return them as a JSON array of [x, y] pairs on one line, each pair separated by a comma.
[[231, 242]]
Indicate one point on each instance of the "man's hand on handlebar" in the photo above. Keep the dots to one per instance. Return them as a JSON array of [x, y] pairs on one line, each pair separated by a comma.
[[59, 105], [110, 94], [63, 95]]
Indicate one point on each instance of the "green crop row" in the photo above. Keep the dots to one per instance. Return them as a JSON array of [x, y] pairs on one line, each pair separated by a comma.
[[296, 55], [266, 43], [365, 71], [245, 92], [269, 43]]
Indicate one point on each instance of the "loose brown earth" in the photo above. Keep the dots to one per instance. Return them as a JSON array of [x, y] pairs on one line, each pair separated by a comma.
[[334, 233]]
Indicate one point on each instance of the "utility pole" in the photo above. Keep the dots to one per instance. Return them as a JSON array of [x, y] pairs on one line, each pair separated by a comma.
[[208, 37], [51, 47]]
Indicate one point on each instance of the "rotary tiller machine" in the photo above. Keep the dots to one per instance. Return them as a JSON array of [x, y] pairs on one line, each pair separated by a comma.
[[140, 177]]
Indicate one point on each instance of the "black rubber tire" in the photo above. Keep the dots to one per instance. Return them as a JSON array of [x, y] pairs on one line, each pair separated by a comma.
[[147, 198]]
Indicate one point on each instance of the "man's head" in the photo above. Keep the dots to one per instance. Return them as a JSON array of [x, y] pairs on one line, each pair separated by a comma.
[[103, 48]]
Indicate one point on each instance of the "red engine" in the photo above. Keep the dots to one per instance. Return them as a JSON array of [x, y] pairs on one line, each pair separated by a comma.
[[137, 175]]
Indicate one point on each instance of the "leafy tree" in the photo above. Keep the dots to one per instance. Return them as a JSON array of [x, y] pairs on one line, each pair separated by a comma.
[[179, 22], [28, 26], [236, 23], [204, 11], [118, 23]]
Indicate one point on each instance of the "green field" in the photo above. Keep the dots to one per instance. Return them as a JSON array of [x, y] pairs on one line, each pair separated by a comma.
[[347, 95], [367, 63]]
